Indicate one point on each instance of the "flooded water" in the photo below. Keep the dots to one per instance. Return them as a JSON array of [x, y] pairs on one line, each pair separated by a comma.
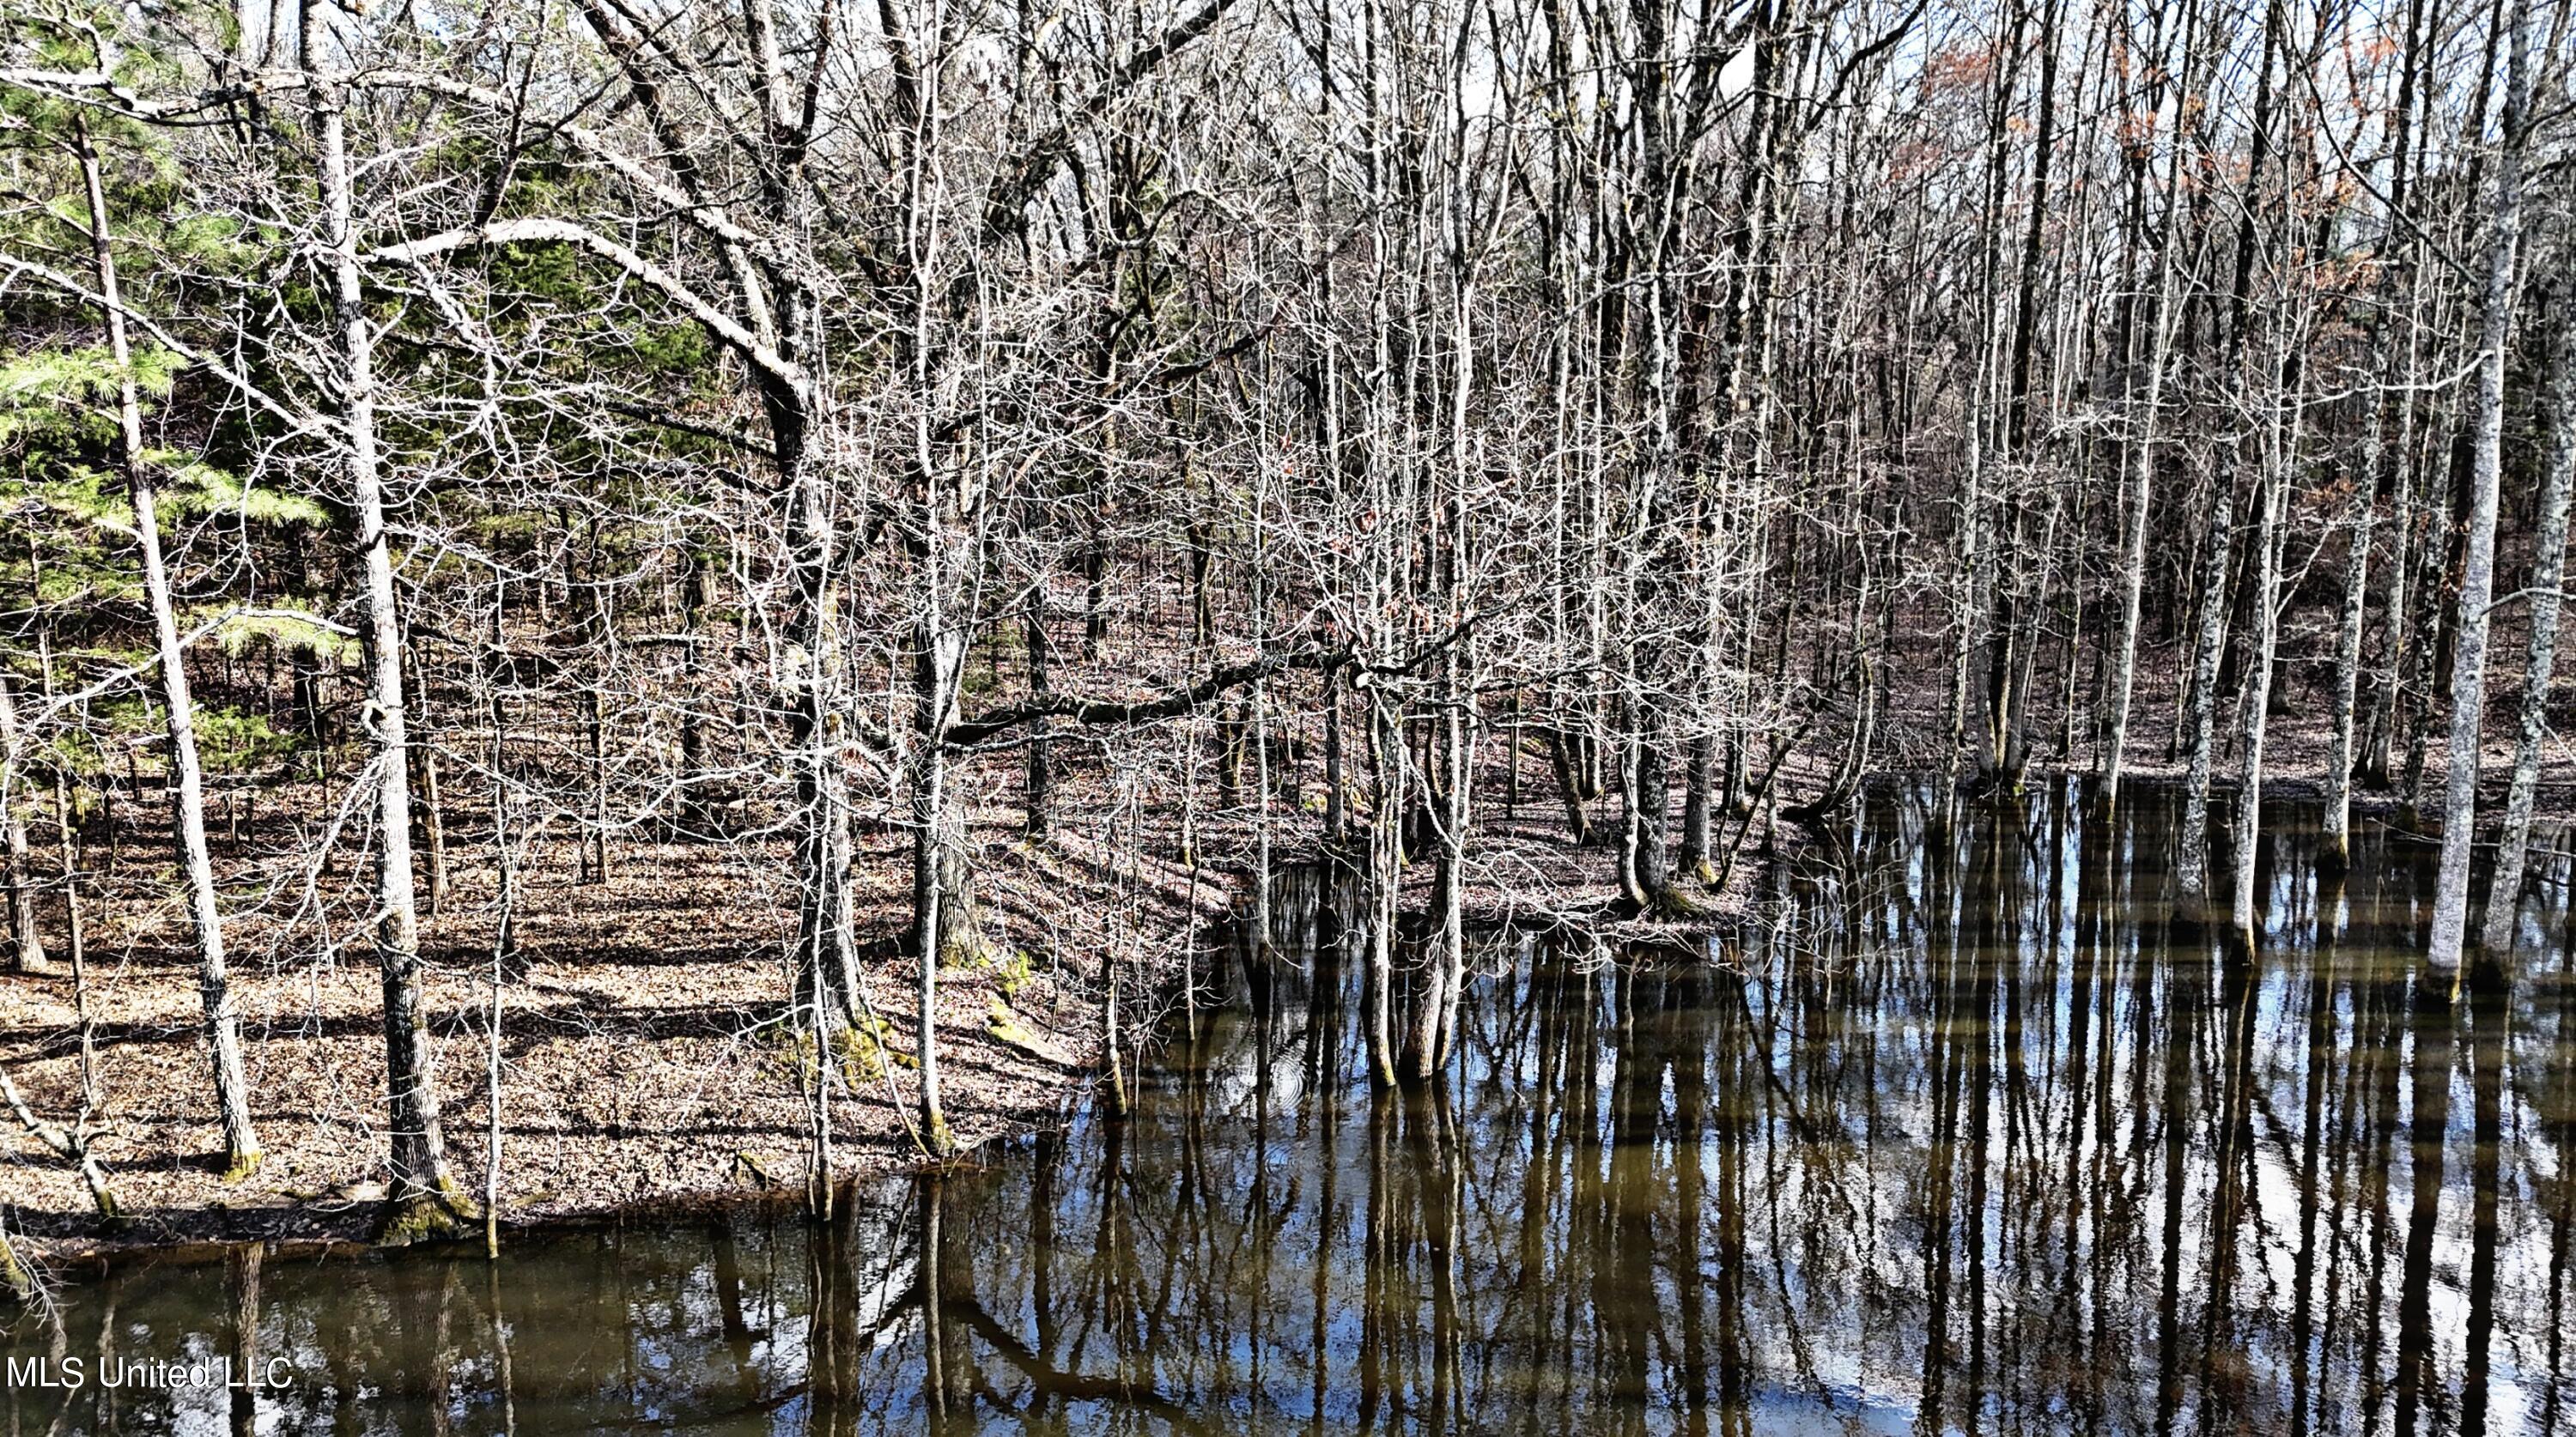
[[1972, 1139]]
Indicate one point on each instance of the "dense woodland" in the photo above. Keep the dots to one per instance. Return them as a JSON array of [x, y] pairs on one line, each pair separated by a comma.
[[782, 424]]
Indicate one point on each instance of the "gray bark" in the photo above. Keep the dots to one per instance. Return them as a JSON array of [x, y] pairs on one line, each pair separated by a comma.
[[420, 1181], [188, 799], [2272, 490], [2335, 844], [2548, 570], [2477, 572], [2141, 496], [2191, 869], [27, 951], [1385, 874]]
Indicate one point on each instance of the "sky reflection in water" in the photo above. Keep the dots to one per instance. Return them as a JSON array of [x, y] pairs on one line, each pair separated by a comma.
[[1974, 1140]]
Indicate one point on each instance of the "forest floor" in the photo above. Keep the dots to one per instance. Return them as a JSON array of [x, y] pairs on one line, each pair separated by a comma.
[[644, 1058]]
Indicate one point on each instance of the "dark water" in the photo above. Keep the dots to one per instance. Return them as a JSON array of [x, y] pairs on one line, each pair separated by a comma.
[[1973, 1139]]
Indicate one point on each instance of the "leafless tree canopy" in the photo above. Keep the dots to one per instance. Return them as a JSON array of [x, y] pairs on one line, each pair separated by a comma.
[[831, 430]]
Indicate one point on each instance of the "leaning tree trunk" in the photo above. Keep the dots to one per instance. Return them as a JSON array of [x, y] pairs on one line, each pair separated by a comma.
[[2548, 569], [422, 1200], [1569, 785], [2477, 572], [188, 798]]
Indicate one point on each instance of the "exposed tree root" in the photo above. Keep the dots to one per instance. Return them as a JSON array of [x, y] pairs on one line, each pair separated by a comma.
[[17, 1282], [444, 1215], [1664, 901]]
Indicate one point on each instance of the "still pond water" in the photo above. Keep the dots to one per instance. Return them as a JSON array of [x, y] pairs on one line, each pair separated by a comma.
[[1972, 1139]]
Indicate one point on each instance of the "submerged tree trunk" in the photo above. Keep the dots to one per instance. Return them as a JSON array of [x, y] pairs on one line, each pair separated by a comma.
[[1385, 875], [2477, 573], [2334, 845], [2548, 570], [1336, 798], [2139, 502], [1444, 971], [2272, 485], [2191, 869]]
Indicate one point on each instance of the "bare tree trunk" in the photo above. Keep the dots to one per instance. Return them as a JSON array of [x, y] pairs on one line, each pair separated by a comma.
[[2334, 845], [1569, 784], [27, 951], [928, 816], [2272, 486], [1645, 868], [594, 838], [422, 1199], [946, 926], [2191, 869], [1336, 795], [2477, 573], [188, 799], [433, 824], [2548, 570], [75, 940], [2441, 547], [2140, 503], [695, 811], [505, 919], [1386, 872], [1693, 858], [1039, 780], [1452, 908]]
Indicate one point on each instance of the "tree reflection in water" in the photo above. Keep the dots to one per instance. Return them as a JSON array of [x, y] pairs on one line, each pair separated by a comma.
[[1974, 1137]]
